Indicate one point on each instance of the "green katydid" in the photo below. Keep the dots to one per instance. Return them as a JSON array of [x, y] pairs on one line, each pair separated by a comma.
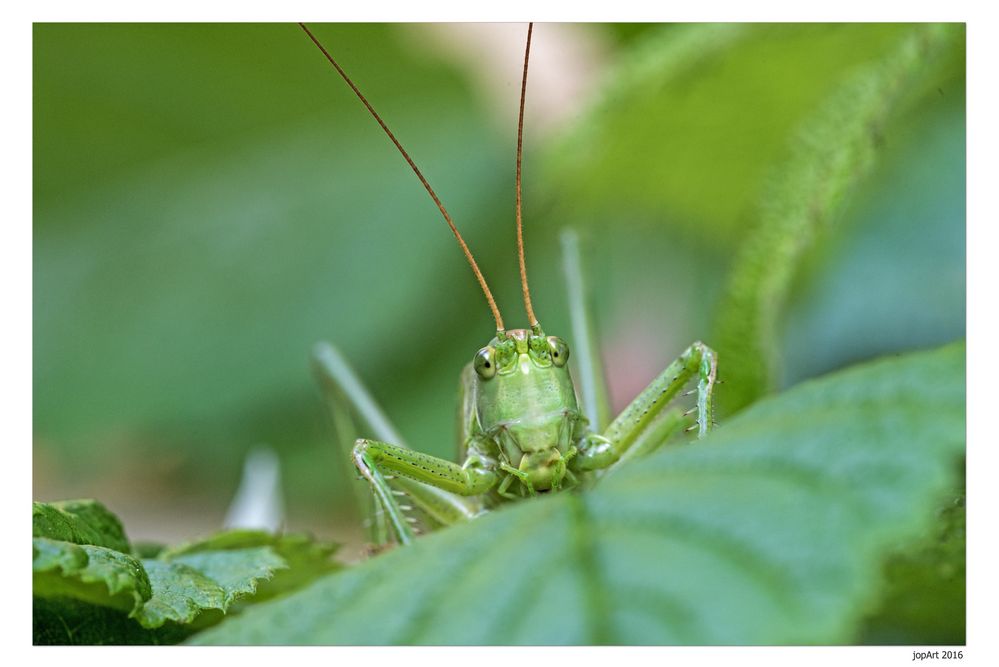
[[522, 431]]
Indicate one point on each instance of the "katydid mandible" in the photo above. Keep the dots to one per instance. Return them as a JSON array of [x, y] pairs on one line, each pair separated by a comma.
[[522, 431]]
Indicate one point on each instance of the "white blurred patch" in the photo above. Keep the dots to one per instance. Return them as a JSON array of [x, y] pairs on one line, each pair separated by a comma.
[[258, 503], [567, 60]]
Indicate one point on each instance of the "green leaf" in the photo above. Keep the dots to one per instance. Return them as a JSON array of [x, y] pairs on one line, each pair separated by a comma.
[[186, 586], [237, 538], [306, 557], [93, 574], [79, 522], [307, 560], [196, 582], [771, 531], [80, 551], [833, 151]]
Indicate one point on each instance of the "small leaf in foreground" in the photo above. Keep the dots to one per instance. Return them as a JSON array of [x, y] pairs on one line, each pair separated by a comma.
[[771, 531], [89, 573], [83, 587], [305, 557], [186, 586], [79, 522]]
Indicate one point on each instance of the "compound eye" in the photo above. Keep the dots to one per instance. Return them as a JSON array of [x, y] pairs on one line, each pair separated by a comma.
[[559, 350], [485, 363]]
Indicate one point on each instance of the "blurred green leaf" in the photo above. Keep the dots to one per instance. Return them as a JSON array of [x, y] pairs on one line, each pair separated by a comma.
[[834, 150], [891, 276], [770, 531], [692, 118], [925, 600], [79, 522]]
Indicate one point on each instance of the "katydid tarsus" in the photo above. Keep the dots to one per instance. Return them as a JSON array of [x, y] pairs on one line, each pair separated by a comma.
[[522, 430]]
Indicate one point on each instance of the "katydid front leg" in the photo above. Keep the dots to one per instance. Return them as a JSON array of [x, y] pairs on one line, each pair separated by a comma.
[[348, 399], [698, 359], [375, 460]]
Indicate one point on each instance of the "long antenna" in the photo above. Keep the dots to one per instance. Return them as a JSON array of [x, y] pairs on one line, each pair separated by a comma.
[[520, 150], [419, 174]]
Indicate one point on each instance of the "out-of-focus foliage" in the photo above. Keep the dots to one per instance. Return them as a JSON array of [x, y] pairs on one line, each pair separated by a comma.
[[891, 274], [832, 152], [770, 531], [88, 593], [208, 204], [695, 116]]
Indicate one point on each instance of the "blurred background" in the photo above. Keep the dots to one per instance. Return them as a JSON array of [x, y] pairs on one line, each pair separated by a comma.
[[211, 200]]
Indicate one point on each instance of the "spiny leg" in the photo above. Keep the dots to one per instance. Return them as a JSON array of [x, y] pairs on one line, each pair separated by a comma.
[[586, 349], [347, 397], [375, 460], [698, 359]]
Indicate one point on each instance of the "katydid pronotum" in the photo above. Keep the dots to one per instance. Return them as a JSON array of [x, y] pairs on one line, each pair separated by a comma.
[[522, 431]]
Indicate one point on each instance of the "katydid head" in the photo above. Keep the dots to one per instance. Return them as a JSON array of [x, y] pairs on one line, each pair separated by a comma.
[[526, 403], [520, 350]]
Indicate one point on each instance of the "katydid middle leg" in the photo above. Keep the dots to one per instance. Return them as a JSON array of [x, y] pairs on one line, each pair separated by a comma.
[[593, 392]]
